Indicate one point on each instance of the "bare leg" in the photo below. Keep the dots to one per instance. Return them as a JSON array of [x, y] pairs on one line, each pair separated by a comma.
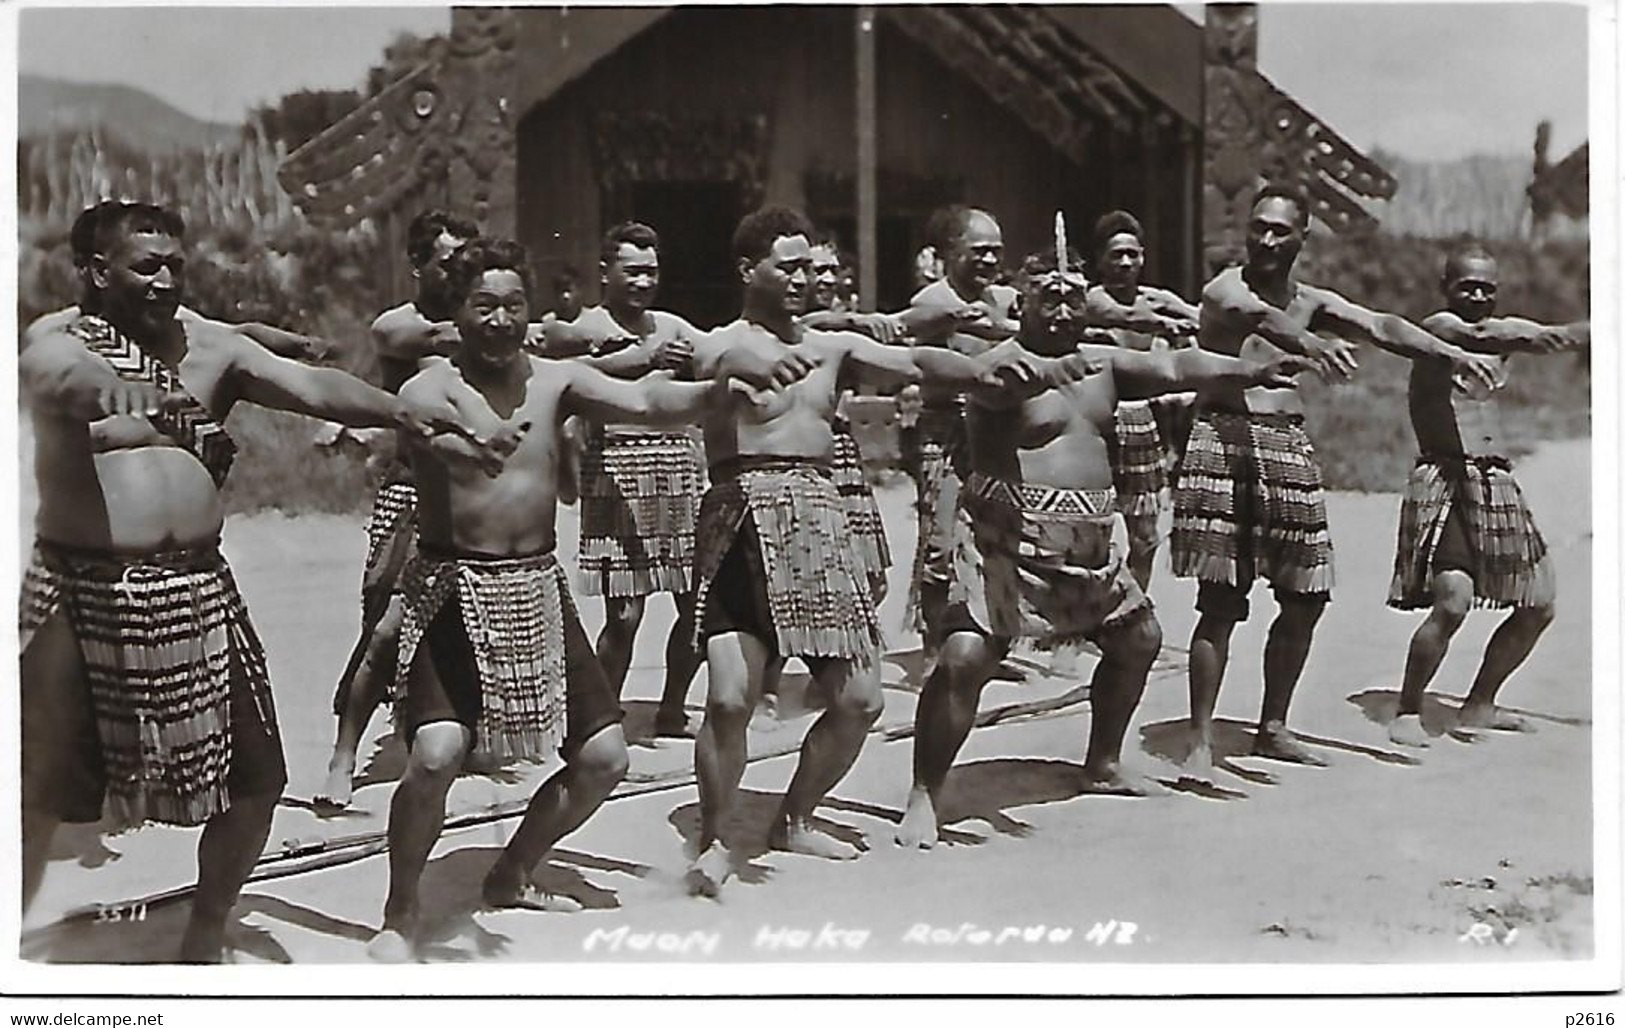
[[735, 661], [417, 813], [622, 616], [226, 854], [942, 722], [933, 604], [1285, 652], [682, 661], [368, 687], [560, 806], [1210, 653], [828, 752], [1507, 650], [1142, 547], [38, 830], [1114, 694], [1452, 596]]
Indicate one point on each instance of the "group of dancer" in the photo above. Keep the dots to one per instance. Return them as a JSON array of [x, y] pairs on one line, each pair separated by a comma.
[[715, 465]]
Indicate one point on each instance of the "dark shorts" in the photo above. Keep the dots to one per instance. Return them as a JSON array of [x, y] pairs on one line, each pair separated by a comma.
[[737, 600], [1231, 603], [452, 693], [63, 773], [1454, 550]]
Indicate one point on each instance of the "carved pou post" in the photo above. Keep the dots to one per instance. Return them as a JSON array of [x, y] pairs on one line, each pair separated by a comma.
[[1232, 138], [442, 135]]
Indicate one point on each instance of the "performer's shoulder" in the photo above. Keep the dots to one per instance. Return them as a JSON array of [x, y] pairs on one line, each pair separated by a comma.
[[397, 319], [937, 292]]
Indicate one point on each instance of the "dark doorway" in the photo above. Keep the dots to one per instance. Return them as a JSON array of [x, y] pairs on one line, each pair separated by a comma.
[[695, 221]]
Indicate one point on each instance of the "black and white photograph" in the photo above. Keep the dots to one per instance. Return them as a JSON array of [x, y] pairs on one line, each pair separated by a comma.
[[815, 499]]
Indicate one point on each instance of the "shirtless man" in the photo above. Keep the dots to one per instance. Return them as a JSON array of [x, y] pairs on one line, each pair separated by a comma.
[[402, 338], [1139, 457], [279, 341], [144, 686], [1249, 500], [640, 486], [775, 566], [492, 656], [1466, 536], [1035, 554]]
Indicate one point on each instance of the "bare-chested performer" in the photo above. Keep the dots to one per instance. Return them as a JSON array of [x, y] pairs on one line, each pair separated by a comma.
[[1249, 500], [1466, 535], [144, 688], [1035, 552], [1139, 456], [868, 531], [492, 656], [640, 486], [402, 338], [775, 565], [279, 341]]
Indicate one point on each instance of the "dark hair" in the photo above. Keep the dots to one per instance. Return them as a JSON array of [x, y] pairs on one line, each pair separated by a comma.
[[948, 225], [634, 232], [477, 256], [1114, 223], [1042, 262], [98, 226], [567, 276], [1461, 252], [428, 227], [759, 229], [1280, 191]]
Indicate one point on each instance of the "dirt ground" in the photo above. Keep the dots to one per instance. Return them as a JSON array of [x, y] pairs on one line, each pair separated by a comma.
[[1474, 849]]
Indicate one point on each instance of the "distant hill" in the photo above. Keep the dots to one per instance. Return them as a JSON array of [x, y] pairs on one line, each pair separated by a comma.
[[46, 106], [1482, 196]]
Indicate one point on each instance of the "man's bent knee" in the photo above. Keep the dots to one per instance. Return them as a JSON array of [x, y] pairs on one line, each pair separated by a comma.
[[1136, 642], [603, 758], [438, 749], [624, 614]]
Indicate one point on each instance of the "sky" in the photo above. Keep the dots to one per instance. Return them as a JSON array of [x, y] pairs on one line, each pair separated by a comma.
[[1426, 81]]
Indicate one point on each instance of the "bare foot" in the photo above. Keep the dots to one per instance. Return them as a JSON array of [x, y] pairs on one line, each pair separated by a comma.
[[1489, 716], [708, 871], [527, 896], [390, 947], [672, 724], [1198, 763], [1114, 781], [766, 716], [337, 790], [919, 827], [203, 943], [1279, 744], [797, 836], [1406, 730]]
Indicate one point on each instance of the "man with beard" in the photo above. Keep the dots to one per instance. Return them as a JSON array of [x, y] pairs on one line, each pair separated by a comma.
[[1466, 536], [774, 561], [1139, 457], [1035, 553], [640, 486], [144, 688], [492, 656], [402, 338], [1249, 501]]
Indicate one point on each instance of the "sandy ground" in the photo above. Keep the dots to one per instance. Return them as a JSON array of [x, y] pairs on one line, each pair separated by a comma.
[[1381, 856]]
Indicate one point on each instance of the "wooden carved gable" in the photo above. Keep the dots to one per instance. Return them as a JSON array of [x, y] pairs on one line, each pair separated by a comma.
[[1035, 67], [442, 133], [1253, 132], [649, 146]]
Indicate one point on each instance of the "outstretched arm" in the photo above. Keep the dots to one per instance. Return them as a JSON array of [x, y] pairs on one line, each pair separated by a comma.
[[654, 399], [412, 340], [458, 442], [1508, 335], [284, 343], [1145, 314], [60, 377], [1143, 375], [1396, 335], [1227, 301]]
